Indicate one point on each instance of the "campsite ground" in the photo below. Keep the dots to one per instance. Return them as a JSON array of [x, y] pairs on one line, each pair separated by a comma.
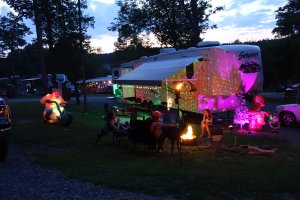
[[273, 99], [62, 160]]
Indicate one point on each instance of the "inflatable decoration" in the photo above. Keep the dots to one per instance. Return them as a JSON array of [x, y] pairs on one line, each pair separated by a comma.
[[274, 123], [256, 116], [54, 109]]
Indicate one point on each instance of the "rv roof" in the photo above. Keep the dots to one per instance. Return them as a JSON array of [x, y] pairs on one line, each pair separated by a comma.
[[190, 52]]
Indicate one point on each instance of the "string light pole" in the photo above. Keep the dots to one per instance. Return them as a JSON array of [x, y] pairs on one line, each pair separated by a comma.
[[178, 89]]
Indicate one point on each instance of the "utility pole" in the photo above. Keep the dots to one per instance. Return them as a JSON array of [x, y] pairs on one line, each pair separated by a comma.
[[81, 56]]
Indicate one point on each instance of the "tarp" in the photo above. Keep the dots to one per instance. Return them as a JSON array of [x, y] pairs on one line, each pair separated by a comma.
[[154, 73]]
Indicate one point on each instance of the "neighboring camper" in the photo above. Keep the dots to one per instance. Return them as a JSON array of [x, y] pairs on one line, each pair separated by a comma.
[[210, 76]]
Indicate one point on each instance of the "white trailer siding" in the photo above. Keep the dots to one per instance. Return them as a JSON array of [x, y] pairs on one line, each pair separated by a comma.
[[219, 73]]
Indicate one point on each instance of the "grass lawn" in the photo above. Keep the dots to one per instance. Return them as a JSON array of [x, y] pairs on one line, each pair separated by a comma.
[[202, 175]]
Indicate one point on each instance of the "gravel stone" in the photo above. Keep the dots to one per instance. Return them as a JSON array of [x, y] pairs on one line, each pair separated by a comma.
[[21, 179]]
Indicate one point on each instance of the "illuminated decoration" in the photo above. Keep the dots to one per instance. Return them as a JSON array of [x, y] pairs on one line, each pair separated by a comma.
[[210, 78], [214, 103], [241, 115], [117, 90], [60, 79], [170, 103], [5, 116], [274, 123], [256, 116], [178, 90], [51, 113], [189, 134], [179, 86], [230, 127], [97, 85]]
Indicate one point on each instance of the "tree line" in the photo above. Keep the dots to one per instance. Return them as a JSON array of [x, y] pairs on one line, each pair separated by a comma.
[[62, 44]]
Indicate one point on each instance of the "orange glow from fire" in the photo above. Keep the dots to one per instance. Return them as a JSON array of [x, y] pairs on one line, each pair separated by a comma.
[[189, 134], [179, 86]]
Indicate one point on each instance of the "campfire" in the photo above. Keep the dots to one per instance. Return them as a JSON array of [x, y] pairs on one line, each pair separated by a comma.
[[189, 134], [188, 138]]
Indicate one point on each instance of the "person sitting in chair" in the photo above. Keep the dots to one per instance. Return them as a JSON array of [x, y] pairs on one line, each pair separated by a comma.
[[206, 123], [115, 126], [112, 125]]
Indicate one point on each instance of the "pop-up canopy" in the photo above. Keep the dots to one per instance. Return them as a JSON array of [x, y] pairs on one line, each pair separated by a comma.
[[154, 73]]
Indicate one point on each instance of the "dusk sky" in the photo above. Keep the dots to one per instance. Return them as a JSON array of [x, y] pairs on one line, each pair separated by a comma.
[[246, 20]]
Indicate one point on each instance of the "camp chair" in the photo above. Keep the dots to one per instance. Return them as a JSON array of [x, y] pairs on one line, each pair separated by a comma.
[[216, 139]]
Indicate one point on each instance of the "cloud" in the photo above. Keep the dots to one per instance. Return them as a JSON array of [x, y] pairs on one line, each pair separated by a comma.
[[245, 8], [95, 5], [256, 19], [274, 2], [105, 42], [4, 8], [104, 1], [229, 34]]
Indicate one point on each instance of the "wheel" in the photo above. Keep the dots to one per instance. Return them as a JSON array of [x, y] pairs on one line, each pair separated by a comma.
[[287, 118]]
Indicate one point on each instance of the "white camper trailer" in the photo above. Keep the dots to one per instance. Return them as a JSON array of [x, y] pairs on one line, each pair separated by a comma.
[[210, 77]]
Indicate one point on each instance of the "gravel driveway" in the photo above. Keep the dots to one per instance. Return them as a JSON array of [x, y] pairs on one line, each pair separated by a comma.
[[20, 178]]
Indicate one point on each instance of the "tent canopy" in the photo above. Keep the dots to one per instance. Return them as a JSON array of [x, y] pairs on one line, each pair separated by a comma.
[[154, 73]]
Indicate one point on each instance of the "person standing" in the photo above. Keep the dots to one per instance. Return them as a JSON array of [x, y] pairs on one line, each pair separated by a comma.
[[157, 129], [206, 123]]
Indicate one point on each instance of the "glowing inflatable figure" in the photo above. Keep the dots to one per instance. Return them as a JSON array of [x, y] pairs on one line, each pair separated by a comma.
[[256, 116], [54, 109]]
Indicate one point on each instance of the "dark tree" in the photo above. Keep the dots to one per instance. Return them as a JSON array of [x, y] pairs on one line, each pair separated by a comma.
[[175, 23], [56, 21], [12, 32], [288, 20]]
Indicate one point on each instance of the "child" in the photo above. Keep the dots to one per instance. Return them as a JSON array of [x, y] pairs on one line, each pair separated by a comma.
[[206, 123], [156, 129]]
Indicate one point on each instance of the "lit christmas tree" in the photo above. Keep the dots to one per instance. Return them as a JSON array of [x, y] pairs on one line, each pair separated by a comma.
[[241, 115]]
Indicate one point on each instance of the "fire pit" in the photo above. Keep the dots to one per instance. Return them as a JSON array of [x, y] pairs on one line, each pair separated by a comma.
[[187, 139]]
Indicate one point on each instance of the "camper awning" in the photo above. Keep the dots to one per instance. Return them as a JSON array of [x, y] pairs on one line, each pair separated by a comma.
[[154, 73]]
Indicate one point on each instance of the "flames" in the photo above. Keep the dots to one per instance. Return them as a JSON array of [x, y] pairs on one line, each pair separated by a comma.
[[189, 134]]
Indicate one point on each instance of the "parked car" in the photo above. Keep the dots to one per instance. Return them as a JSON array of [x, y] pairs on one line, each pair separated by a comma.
[[288, 114], [291, 91], [5, 125], [5, 121]]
